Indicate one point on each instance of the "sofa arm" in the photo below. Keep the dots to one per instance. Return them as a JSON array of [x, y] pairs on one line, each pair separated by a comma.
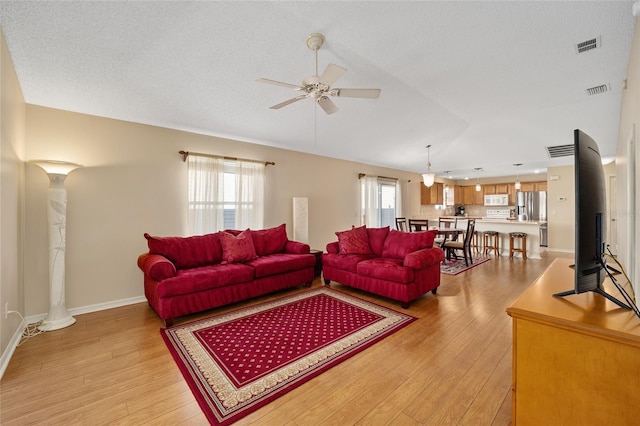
[[295, 247], [333, 248], [156, 266], [424, 258]]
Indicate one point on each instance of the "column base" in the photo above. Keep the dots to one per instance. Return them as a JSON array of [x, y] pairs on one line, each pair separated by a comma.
[[56, 324]]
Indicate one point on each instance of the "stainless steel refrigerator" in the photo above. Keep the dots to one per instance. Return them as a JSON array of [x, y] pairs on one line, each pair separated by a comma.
[[533, 206]]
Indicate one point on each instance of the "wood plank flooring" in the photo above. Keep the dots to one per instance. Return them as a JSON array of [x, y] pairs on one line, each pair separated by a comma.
[[452, 366]]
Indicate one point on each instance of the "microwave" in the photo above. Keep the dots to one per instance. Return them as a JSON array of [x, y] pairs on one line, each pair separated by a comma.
[[496, 200]]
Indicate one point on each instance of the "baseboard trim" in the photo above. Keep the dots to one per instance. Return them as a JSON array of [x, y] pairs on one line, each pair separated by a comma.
[[11, 347], [92, 308]]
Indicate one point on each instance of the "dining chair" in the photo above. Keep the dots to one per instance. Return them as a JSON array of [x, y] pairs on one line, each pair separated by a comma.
[[401, 224], [451, 246], [447, 223], [416, 225]]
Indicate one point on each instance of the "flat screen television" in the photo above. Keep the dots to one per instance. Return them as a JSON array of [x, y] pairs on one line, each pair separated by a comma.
[[590, 210]]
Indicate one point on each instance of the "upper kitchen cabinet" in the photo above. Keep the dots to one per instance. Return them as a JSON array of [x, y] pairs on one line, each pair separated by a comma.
[[432, 195], [533, 186]]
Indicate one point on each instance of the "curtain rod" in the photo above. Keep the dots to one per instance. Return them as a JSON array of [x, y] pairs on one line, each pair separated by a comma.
[[185, 154], [361, 175]]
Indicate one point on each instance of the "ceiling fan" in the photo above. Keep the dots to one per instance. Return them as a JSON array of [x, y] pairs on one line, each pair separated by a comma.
[[319, 87]]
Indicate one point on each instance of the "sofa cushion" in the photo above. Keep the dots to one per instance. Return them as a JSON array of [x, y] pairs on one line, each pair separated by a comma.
[[204, 278], [280, 263], [237, 248], [377, 237], [269, 241], [187, 252], [354, 241], [399, 244], [386, 268], [343, 262]]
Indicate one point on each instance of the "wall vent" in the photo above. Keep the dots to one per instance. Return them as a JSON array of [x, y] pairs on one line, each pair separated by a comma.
[[559, 151], [587, 45], [596, 90]]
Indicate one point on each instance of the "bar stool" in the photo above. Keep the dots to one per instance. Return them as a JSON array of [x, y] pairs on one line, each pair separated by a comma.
[[475, 241], [522, 238], [491, 242]]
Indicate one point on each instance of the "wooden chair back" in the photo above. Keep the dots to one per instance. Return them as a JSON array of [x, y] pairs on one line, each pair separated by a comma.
[[416, 225], [401, 224]]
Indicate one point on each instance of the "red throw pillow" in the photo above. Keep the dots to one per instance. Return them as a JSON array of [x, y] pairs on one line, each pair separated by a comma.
[[237, 249], [354, 241], [377, 237], [187, 252], [270, 241], [399, 244]]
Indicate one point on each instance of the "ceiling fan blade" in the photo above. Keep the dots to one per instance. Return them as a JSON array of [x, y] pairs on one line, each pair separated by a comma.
[[327, 105], [288, 102], [331, 74], [279, 83], [358, 93]]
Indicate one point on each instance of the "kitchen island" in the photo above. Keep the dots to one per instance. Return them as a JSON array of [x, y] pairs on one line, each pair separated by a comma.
[[503, 227]]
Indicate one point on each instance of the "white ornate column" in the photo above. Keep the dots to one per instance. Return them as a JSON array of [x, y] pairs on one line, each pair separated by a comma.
[[58, 317]]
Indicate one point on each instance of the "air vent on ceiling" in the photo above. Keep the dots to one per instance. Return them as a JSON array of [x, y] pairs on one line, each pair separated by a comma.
[[587, 45], [559, 151], [596, 90]]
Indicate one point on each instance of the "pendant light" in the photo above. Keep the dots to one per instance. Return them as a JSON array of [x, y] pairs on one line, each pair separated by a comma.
[[517, 184], [428, 178], [478, 187]]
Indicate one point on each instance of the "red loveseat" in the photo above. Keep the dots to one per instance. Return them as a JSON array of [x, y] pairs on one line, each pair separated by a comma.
[[184, 275], [399, 265]]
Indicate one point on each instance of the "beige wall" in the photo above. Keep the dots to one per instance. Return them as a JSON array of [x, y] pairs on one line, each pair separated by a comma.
[[627, 211], [134, 181], [12, 146], [561, 209]]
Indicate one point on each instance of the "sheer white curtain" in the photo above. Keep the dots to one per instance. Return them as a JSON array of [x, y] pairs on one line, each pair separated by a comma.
[[206, 185], [370, 201], [224, 194], [399, 198], [249, 195]]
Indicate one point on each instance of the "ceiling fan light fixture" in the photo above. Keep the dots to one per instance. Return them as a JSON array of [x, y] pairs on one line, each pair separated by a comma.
[[428, 178]]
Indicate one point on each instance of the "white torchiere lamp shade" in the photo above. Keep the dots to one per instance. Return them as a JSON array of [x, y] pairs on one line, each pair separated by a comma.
[[58, 317]]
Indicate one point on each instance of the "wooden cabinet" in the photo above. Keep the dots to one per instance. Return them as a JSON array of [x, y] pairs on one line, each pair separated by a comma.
[[489, 189], [533, 186], [541, 186], [502, 188], [576, 360], [468, 194], [432, 195], [458, 195]]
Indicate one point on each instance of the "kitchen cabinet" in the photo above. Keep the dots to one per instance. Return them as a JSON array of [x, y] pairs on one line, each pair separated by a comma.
[[502, 188], [458, 194], [533, 186], [489, 189], [432, 195], [471, 197]]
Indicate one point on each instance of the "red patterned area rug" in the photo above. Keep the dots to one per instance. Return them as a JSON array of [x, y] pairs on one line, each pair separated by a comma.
[[456, 266], [239, 361]]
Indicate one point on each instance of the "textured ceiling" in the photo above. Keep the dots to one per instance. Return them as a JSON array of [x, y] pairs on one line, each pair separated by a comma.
[[487, 84]]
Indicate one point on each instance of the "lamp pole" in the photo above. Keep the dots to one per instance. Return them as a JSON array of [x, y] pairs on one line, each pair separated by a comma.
[[58, 317]]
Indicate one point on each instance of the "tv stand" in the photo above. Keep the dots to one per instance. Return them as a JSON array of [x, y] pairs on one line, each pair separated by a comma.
[[573, 358], [596, 290]]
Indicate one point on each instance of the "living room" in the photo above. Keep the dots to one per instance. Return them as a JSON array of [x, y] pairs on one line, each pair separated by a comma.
[[133, 181]]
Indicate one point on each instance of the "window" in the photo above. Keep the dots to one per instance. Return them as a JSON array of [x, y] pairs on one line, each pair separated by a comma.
[[224, 194], [380, 201]]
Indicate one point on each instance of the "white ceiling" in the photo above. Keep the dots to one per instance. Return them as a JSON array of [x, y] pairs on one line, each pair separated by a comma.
[[487, 84]]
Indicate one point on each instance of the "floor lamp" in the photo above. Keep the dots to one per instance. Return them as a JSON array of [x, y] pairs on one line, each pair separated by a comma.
[[58, 317]]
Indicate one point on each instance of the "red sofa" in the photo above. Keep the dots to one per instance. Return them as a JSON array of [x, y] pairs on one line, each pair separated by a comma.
[[184, 275], [399, 265]]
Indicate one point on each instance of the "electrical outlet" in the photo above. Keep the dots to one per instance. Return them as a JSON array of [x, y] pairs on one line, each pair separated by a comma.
[[6, 310]]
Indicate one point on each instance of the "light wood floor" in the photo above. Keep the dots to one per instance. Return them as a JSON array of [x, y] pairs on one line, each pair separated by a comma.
[[452, 366]]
